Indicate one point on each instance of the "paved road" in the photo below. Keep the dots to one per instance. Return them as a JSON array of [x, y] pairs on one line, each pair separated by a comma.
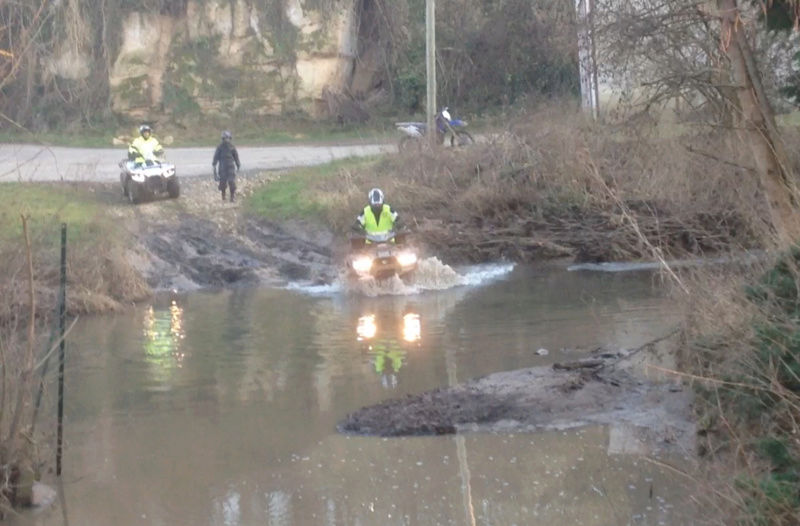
[[37, 163]]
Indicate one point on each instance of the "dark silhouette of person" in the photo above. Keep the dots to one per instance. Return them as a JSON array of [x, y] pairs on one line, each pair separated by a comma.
[[228, 159]]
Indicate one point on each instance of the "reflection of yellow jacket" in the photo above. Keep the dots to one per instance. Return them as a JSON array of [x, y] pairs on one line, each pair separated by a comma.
[[393, 353], [142, 149]]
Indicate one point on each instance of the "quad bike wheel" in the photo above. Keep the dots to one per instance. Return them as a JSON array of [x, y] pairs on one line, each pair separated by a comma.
[[136, 192], [173, 187]]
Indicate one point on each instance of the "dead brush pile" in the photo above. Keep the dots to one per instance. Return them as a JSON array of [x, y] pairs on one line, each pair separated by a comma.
[[743, 354], [552, 185]]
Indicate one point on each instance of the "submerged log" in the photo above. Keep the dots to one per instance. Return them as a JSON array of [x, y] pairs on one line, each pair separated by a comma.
[[585, 364]]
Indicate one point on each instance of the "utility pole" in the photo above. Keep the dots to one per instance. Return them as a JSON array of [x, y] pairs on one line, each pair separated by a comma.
[[587, 57], [430, 68]]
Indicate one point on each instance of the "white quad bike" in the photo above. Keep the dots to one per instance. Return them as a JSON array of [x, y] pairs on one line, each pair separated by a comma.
[[143, 181]]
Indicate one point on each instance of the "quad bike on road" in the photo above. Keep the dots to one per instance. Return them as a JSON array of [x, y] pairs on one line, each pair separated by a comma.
[[143, 181]]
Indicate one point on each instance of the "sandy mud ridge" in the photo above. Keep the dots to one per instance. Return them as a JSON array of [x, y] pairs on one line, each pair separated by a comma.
[[601, 389]]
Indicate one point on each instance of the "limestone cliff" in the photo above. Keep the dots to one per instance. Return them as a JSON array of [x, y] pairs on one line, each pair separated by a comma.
[[232, 57]]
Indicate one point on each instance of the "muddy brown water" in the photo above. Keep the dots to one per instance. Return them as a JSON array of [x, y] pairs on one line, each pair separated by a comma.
[[220, 408]]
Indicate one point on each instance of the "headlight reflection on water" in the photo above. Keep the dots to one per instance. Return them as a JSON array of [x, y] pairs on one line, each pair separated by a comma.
[[412, 328], [163, 332], [367, 327]]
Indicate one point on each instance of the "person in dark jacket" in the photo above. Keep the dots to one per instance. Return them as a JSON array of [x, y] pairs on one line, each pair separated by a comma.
[[228, 159]]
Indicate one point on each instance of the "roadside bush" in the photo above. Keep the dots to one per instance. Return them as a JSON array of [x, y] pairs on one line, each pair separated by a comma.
[[553, 184], [549, 184], [749, 395]]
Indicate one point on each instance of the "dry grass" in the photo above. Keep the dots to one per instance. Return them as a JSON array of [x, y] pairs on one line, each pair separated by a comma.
[[741, 334], [553, 184], [99, 276]]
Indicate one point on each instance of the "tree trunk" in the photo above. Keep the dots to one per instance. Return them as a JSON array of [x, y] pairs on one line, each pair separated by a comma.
[[758, 129]]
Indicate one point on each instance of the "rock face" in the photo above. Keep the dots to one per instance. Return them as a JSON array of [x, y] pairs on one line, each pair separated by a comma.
[[234, 57]]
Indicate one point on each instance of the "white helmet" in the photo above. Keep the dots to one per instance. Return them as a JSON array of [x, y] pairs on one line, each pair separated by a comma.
[[375, 197]]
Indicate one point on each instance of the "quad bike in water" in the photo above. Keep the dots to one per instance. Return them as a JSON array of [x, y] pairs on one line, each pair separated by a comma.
[[143, 181], [382, 256]]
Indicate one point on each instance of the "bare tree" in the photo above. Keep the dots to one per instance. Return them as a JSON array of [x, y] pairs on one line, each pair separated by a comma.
[[20, 25], [757, 123], [701, 56]]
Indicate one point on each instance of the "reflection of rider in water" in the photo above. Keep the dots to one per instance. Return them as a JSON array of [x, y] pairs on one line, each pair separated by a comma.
[[387, 357]]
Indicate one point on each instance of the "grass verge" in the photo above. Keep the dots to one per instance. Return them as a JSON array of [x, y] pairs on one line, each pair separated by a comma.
[[44, 204], [100, 278], [317, 193]]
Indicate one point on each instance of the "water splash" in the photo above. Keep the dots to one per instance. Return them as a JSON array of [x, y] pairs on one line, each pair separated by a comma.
[[431, 274], [393, 286], [325, 289], [632, 266], [482, 274]]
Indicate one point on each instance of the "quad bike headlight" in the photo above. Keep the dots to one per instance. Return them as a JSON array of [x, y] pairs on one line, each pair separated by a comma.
[[362, 264], [406, 259], [138, 177]]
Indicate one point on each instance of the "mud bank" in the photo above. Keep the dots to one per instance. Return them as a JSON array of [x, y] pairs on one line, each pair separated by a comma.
[[199, 241], [603, 389]]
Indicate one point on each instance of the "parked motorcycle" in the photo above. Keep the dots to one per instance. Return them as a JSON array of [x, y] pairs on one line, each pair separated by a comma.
[[382, 256], [446, 126]]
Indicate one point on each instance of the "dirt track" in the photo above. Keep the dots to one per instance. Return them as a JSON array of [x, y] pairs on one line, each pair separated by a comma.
[[200, 241]]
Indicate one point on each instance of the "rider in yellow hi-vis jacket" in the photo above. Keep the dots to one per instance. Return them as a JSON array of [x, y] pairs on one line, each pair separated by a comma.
[[144, 149], [377, 217]]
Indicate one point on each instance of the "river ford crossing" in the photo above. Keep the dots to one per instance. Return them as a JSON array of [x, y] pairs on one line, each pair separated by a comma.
[[220, 408]]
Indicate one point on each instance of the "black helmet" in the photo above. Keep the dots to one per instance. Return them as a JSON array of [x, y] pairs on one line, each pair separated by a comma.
[[226, 136], [375, 197], [144, 128]]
